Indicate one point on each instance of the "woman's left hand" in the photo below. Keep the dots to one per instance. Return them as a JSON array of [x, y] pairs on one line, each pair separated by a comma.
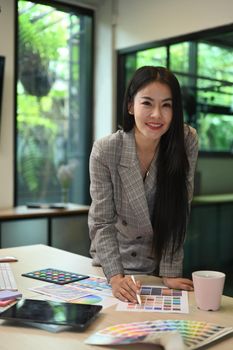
[[178, 283]]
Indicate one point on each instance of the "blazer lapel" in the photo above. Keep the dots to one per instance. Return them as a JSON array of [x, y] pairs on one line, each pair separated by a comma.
[[131, 178]]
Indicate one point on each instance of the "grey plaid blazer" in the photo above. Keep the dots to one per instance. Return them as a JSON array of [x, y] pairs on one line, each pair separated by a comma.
[[119, 220]]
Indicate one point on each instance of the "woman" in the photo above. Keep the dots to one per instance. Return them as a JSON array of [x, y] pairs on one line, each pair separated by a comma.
[[142, 185]]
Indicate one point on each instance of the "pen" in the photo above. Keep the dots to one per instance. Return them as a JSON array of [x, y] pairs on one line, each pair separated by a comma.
[[137, 295]]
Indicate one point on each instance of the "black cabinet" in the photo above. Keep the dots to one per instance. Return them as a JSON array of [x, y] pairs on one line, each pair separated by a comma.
[[209, 242]]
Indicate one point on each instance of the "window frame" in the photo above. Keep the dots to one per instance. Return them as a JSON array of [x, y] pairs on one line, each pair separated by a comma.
[[121, 72], [79, 10]]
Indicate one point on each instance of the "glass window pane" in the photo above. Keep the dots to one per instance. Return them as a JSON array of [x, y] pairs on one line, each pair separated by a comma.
[[53, 90], [152, 57], [215, 132], [130, 67], [179, 57], [215, 65], [203, 64]]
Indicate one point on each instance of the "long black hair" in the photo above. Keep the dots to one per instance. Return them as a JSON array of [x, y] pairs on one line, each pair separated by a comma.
[[171, 209]]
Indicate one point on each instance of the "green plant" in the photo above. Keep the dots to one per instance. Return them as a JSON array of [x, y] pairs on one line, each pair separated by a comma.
[[41, 35], [39, 45]]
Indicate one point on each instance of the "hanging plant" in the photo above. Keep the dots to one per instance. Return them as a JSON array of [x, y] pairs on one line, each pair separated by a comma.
[[36, 78], [38, 46]]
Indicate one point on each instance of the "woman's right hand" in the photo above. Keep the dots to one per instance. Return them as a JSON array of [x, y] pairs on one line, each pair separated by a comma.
[[124, 288]]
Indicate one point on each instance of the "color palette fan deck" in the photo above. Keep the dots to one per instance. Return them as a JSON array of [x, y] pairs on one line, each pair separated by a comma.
[[193, 333]]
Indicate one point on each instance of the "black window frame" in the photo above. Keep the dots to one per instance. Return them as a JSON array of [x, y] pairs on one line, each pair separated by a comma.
[[77, 9], [121, 71]]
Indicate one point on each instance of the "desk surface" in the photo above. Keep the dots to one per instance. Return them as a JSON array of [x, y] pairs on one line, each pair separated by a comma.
[[40, 256], [21, 212]]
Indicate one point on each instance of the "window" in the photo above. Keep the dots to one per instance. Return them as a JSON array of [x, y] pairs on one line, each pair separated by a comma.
[[203, 64], [53, 100]]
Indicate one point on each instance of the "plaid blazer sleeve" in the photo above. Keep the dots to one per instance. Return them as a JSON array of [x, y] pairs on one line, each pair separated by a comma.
[[102, 214]]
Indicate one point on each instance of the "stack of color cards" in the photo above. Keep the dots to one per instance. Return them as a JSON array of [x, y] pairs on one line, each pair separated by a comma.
[[194, 334]]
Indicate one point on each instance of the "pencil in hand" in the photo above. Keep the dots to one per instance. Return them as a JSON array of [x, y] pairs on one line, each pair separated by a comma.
[[137, 294]]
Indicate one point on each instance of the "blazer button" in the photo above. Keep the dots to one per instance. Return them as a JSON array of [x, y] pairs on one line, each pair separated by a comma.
[[124, 223], [133, 254]]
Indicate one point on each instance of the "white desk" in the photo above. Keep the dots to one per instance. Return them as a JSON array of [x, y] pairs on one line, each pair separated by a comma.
[[40, 256]]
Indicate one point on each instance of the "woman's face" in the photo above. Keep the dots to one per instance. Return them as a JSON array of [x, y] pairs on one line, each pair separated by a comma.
[[152, 110]]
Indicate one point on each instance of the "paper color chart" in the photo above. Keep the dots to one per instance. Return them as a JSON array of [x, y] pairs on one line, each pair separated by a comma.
[[94, 284], [65, 293], [159, 299], [74, 294], [194, 334]]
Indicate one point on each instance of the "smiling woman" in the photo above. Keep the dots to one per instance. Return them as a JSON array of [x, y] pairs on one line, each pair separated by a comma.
[[152, 111], [142, 185]]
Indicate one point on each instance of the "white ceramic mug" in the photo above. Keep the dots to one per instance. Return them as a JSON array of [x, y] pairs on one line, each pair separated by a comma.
[[208, 289]]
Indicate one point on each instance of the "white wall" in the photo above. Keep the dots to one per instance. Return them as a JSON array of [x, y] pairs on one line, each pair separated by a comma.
[[105, 71], [141, 21], [7, 125]]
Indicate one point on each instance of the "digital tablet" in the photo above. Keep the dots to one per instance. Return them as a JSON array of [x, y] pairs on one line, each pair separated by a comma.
[[78, 316]]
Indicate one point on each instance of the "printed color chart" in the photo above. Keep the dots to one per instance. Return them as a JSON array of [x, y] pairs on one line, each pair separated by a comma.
[[76, 293], [65, 293], [195, 334], [95, 284], [159, 299]]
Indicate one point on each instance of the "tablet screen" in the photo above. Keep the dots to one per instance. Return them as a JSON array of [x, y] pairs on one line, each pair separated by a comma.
[[51, 312]]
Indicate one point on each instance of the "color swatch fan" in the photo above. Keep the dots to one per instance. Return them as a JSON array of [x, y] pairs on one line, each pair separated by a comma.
[[194, 334]]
